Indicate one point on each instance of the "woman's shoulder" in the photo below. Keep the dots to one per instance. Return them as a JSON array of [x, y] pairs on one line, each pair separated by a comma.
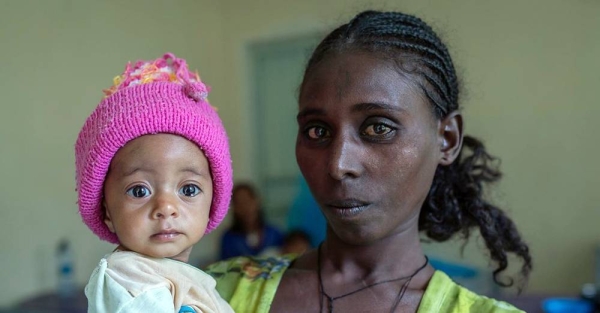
[[445, 296], [249, 283]]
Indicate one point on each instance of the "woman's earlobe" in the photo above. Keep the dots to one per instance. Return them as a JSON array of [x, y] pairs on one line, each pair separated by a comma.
[[451, 132]]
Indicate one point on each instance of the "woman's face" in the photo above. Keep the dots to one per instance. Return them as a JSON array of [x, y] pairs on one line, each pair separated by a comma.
[[368, 145]]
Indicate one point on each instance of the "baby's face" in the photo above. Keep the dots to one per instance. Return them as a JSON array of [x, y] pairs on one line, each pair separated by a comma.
[[157, 196]]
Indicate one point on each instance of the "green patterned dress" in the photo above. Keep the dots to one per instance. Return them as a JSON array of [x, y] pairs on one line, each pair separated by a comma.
[[249, 285]]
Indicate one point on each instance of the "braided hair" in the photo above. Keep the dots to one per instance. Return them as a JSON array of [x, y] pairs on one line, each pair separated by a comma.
[[455, 201]]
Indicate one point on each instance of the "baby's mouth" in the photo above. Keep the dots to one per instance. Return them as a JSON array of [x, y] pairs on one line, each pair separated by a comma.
[[166, 235]]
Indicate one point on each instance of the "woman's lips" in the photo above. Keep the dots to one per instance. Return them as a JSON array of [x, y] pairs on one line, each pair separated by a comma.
[[347, 207]]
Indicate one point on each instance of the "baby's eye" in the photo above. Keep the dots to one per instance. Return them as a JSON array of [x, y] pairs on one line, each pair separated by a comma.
[[190, 190], [138, 191], [377, 130], [317, 132]]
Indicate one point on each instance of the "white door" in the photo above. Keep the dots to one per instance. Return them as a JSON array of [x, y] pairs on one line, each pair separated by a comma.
[[277, 69]]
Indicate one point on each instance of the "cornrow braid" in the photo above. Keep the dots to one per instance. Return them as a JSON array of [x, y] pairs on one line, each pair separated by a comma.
[[392, 32], [455, 201]]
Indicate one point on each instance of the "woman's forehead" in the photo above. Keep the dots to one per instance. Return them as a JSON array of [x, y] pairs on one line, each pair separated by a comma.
[[358, 78]]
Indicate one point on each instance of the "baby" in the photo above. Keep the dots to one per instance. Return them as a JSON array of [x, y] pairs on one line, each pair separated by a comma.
[[153, 176]]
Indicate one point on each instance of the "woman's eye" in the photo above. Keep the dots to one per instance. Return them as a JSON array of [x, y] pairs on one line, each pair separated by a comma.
[[190, 190], [316, 132], [138, 191], [377, 130]]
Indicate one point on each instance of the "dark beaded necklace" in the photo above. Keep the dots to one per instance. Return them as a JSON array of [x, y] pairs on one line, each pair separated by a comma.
[[331, 299]]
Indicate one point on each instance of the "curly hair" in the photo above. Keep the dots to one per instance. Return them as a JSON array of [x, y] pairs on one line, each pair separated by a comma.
[[455, 203]]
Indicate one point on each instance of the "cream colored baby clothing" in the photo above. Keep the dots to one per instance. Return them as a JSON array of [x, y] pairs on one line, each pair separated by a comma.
[[126, 282]]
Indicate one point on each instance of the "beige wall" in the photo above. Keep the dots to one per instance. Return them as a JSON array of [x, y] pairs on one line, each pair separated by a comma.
[[530, 69], [56, 58]]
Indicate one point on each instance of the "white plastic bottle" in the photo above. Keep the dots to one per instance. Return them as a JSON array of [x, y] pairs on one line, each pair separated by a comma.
[[65, 271]]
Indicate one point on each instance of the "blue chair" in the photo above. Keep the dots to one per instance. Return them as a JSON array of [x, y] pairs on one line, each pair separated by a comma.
[[567, 305]]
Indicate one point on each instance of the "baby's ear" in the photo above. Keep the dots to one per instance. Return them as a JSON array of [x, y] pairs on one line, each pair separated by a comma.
[[107, 219]]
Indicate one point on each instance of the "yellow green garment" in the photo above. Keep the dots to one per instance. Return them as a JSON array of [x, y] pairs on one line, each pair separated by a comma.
[[249, 285]]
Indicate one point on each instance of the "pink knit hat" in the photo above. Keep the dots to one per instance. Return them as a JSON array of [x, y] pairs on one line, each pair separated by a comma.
[[160, 96]]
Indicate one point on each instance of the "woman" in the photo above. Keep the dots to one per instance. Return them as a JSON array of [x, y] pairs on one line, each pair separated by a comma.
[[249, 234], [381, 145]]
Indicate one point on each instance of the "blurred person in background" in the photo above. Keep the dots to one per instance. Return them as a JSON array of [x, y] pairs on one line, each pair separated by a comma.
[[296, 241], [249, 234]]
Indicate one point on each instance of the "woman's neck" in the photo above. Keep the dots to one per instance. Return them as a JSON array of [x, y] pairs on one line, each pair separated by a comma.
[[400, 253]]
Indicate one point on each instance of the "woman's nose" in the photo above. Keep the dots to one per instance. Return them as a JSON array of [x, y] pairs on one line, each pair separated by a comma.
[[165, 206], [344, 158]]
